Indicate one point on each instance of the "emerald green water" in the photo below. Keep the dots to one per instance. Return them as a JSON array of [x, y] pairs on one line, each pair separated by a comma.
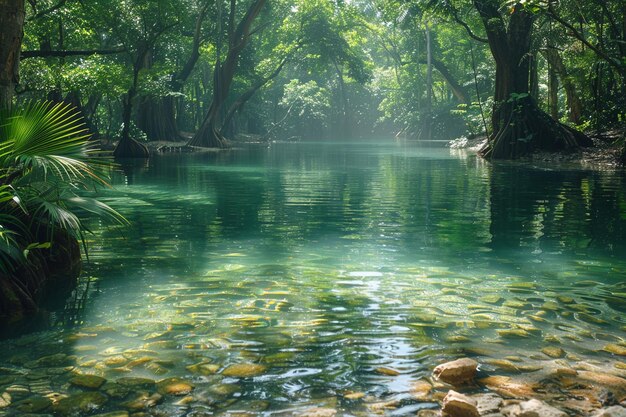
[[340, 268]]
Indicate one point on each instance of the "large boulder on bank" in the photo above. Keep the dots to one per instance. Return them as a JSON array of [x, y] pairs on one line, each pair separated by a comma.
[[456, 372]]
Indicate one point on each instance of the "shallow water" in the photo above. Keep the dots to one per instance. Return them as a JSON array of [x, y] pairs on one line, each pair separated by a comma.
[[341, 269]]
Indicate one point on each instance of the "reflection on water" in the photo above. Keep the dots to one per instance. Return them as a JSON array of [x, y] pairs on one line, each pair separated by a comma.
[[341, 274]]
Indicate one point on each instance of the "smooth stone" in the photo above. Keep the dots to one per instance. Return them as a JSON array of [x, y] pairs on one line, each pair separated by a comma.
[[513, 333], [174, 386], [354, 396], [614, 411], [244, 370], [113, 414], [88, 381], [428, 413], [459, 405], [456, 372], [420, 390], [116, 360], [318, 412], [536, 408], [84, 402], [50, 361], [143, 401], [204, 368], [34, 404], [491, 299], [488, 403], [565, 300], [553, 352], [509, 388], [5, 400], [387, 371], [615, 349], [135, 382], [115, 390]]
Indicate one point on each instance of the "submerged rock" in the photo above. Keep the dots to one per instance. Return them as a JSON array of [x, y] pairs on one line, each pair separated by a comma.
[[244, 370], [615, 349], [142, 402], [509, 388], [459, 405], [318, 412], [420, 390], [536, 408], [82, 403], [174, 386], [88, 381], [34, 404], [456, 372], [488, 403], [553, 352], [615, 411]]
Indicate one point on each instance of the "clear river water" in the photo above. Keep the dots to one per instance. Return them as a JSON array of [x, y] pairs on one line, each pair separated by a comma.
[[272, 279]]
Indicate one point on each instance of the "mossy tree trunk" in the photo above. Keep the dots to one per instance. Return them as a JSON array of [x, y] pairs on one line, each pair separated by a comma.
[[209, 135], [12, 16], [519, 126]]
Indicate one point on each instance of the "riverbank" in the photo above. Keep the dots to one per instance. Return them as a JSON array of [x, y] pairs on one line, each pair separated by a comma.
[[605, 153]]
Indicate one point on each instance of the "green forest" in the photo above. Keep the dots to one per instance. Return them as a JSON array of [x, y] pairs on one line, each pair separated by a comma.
[[205, 73], [312, 208]]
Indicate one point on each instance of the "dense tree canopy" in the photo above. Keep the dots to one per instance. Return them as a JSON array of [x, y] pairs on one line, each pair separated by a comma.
[[530, 74]]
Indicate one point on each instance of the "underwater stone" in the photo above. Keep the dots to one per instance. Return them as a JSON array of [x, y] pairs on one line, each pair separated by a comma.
[[459, 405], [135, 382], [204, 368], [244, 370], [553, 352], [420, 390], [387, 371], [5, 400], [318, 412], [143, 401], [508, 388], [615, 411], [615, 349], [34, 404], [84, 403], [174, 386], [113, 414], [354, 396], [88, 381], [456, 372], [491, 299], [536, 408], [487, 403]]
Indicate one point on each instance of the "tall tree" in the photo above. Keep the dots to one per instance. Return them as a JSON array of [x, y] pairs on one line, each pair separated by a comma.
[[12, 15], [519, 126], [238, 37]]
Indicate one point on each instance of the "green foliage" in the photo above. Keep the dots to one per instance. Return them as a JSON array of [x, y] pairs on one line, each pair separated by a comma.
[[46, 165]]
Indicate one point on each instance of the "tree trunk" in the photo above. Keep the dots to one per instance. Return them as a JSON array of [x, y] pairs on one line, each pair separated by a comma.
[[12, 16], [574, 104], [209, 135], [519, 126], [128, 147]]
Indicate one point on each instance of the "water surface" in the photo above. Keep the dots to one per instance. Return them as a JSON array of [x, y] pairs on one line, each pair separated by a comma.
[[341, 268]]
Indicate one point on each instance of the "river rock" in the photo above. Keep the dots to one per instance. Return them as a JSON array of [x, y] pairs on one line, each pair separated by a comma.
[[142, 402], [82, 403], [488, 403], [174, 386], [615, 349], [553, 352], [244, 370], [459, 405], [536, 408], [134, 382], [88, 381], [318, 412], [113, 414], [509, 388], [204, 368], [5, 400], [456, 372], [34, 404], [420, 390], [615, 411]]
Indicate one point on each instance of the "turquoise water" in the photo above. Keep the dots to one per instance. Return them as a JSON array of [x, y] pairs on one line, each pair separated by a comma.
[[343, 272]]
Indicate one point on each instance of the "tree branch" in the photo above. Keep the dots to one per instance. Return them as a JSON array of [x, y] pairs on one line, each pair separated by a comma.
[[62, 54]]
